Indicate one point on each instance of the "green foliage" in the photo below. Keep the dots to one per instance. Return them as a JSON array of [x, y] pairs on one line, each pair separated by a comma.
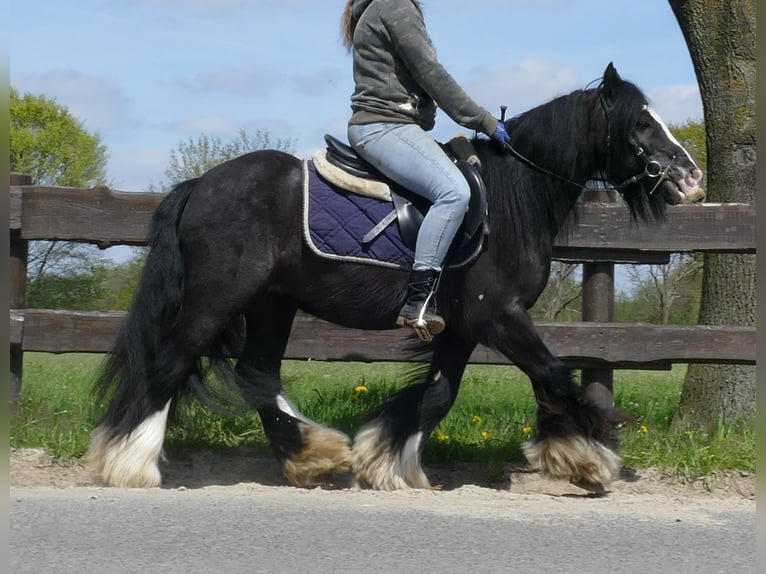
[[55, 410], [692, 136], [52, 146], [125, 281], [195, 156], [48, 143], [652, 397], [79, 291], [663, 294]]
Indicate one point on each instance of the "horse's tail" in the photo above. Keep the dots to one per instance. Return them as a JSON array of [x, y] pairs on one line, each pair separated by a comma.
[[135, 375]]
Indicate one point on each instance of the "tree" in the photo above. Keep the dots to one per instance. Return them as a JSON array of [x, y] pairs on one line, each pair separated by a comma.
[[195, 156], [665, 294], [192, 158], [77, 289], [691, 134], [560, 300], [721, 41], [52, 146]]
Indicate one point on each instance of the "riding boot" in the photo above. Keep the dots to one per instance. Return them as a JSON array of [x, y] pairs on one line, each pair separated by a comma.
[[419, 311]]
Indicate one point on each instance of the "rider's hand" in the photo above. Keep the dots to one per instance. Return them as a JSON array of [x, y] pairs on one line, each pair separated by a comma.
[[501, 135]]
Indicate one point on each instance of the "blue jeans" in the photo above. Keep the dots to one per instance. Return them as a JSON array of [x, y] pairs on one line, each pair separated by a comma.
[[410, 157]]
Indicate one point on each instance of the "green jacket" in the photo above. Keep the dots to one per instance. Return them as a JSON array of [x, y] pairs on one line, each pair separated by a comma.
[[397, 75]]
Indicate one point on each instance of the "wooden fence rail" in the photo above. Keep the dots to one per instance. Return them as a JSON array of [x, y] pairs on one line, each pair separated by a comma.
[[603, 235]]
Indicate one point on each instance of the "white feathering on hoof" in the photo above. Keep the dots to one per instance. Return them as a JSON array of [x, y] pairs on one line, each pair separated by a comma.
[[130, 461], [376, 465], [326, 452], [585, 463]]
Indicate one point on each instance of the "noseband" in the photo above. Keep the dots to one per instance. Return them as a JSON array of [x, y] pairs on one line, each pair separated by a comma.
[[652, 168]]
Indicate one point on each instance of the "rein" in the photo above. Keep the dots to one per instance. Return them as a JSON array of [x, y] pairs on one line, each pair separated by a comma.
[[652, 169]]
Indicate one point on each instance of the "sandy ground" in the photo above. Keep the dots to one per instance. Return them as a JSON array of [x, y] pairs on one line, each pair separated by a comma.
[[32, 468]]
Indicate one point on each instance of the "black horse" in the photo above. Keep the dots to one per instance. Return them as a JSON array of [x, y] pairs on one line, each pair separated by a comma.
[[229, 244]]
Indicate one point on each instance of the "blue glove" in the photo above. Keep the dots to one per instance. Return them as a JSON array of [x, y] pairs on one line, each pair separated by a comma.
[[501, 135]]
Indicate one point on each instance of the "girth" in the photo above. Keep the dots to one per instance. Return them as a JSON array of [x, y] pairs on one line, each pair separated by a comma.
[[409, 208]]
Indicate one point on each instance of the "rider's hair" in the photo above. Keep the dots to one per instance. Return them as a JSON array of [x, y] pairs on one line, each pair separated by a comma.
[[348, 23]]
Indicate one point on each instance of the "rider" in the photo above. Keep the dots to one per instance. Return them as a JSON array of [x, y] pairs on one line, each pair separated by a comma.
[[398, 84]]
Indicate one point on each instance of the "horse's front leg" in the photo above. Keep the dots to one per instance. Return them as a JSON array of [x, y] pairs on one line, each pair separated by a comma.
[[388, 449], [576, 433]]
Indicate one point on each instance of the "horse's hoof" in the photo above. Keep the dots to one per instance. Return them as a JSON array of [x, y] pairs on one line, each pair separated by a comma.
[[585, 463], [326, 455], [379, 466], [594, 487]]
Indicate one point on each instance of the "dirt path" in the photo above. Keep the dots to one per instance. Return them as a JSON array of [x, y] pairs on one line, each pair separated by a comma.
[[33, 468]]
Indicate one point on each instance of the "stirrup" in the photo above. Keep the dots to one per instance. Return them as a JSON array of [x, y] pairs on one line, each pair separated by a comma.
[[420, 327], [424, 330], [421, 330]]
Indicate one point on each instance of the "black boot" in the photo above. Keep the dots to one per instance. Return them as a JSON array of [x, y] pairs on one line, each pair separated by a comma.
[[419, 311]]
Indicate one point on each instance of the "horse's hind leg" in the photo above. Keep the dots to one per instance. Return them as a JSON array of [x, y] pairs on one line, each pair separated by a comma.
[[311, 454], [388, 449], [126, 446]]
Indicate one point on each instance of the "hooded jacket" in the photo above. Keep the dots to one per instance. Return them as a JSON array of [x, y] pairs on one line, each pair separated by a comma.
[[397, 75]]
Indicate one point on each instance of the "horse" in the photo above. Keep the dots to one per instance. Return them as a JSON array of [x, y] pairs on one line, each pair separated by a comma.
[[226, 249]]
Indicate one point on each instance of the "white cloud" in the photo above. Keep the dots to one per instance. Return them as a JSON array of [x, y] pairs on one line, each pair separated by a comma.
[[211, 125], [99, 103], [138, 166], [245, 81], [677, 104], [531, 82], [321, 81]]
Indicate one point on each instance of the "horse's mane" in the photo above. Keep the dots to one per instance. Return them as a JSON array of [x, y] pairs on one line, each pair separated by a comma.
[[528, 208]]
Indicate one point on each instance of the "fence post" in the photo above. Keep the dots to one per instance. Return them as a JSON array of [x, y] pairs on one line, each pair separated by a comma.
[[598, 297], [19, 249]]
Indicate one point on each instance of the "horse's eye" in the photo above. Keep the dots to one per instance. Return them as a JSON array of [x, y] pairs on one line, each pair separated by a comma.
[[643, 123]]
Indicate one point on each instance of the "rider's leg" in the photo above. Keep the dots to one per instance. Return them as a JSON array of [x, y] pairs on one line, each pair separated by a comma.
[[409, 156]]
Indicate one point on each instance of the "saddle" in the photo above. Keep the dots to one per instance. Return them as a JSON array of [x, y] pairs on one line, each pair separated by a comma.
[[409, 209]]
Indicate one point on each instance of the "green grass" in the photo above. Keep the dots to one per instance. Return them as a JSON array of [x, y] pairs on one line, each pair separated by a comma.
[[493, 415]]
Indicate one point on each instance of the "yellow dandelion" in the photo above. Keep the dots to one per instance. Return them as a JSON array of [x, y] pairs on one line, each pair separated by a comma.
[[485, 435], [441, 437], [643, 429], [361, 389], [526, 429], [476, 420]]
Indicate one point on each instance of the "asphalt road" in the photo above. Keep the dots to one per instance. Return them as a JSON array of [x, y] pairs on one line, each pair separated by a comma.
[[287, 530]]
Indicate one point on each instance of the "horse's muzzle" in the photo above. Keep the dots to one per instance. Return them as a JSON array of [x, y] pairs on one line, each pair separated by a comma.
[[689, 186]]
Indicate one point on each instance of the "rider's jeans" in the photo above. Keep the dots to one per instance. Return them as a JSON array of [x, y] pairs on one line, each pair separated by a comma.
[[410, 157]]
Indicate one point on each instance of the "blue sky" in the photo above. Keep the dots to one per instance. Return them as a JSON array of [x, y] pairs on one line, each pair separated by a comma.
[[148, 74]]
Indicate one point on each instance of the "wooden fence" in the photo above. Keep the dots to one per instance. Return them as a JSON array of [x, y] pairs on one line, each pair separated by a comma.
[[603, 235]]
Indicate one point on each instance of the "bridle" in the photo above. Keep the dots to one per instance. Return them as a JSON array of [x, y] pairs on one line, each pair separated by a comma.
[[652, 168]]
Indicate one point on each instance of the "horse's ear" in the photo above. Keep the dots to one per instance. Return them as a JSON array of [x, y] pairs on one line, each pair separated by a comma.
[[611, 81], [611, 75]]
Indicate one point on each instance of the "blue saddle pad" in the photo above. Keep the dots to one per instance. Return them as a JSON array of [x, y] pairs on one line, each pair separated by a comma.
[[335, 221]]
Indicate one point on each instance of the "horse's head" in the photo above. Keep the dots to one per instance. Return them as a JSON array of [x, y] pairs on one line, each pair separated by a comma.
[[644, 161]]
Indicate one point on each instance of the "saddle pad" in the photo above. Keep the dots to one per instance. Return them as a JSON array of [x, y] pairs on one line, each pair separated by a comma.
[[335, 221]]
